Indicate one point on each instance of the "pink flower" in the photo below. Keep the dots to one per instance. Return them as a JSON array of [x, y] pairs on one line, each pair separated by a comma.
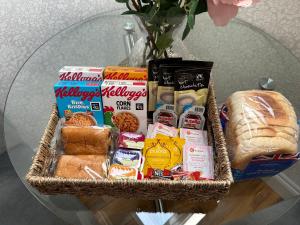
[[222, 11]]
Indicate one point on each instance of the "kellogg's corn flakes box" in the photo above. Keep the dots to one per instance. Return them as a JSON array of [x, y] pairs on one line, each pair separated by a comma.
[[79, 102], [125, 105]]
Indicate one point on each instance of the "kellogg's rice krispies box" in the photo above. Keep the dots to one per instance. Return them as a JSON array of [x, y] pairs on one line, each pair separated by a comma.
[[84, 97], [125, 105], [81, 73]]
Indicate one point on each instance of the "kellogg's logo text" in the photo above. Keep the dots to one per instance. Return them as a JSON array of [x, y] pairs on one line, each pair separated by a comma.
[[123, 92], [75, 92], [78, 76]]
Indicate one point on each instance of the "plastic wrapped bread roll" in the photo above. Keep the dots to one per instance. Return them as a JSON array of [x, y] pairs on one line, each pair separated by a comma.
[[81, 167], [260, 123], [86, 140]]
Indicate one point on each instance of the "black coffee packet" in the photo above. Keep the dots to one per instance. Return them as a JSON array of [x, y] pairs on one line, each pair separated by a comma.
[[153, 72], [191, 86]]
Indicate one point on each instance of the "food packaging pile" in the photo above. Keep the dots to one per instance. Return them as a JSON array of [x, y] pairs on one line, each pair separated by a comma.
[[128, 123]]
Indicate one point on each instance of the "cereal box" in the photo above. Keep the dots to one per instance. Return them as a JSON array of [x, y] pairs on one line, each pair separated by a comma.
[[125, 73], [80, 98], [80, 73], [125, 105]]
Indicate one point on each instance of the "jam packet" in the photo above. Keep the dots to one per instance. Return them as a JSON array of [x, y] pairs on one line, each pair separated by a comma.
[[197, 136], [191, 86], [187, 176], [198, 158], [166, 115], [153, 72], [193, 118], [131, 140], [119, 172], [127, 158]]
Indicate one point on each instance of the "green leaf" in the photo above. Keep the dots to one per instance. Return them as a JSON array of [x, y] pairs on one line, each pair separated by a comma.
[[201, 7], [191, 14], [164, 41], [130, 12], [122, 1], [186, 31], [166, 4], [175, 11], [146, 8]]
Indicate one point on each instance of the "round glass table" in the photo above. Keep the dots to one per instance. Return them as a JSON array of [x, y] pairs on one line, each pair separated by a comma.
[[242, 54]]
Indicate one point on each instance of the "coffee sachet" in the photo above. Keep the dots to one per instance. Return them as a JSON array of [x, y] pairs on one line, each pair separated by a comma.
[[191, 87], [153, 71]]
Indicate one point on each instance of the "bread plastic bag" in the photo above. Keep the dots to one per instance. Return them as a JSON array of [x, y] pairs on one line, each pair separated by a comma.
[[86, 140], [81, 167], [260, 123]]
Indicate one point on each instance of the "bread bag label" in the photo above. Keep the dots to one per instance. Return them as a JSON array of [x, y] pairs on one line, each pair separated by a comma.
[[80, 101], [80, 73], [125, 73], [125, 105]]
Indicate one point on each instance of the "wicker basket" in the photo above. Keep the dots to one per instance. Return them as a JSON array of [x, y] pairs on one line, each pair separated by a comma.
[[38, 175]]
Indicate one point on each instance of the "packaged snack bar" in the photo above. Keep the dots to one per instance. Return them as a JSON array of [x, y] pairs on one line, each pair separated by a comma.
[[81, 73], [80, 99], [120, 172], [191, 87], [129, 158], [131, 140], [187, 176], [165, 114], [192, 118], [153, 70], [158, 174], [192, 135], [198, 158], [125, 105], [125, 73]]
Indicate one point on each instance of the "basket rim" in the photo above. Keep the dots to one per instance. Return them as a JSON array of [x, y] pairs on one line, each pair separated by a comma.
[[49, 179]]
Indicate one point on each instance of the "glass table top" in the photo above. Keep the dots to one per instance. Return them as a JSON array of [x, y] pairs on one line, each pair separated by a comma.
[[242, 55]]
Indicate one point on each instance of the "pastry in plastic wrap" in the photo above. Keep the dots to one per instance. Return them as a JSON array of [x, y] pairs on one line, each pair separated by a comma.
[[81, 167], [260, 123], [85, 140]]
